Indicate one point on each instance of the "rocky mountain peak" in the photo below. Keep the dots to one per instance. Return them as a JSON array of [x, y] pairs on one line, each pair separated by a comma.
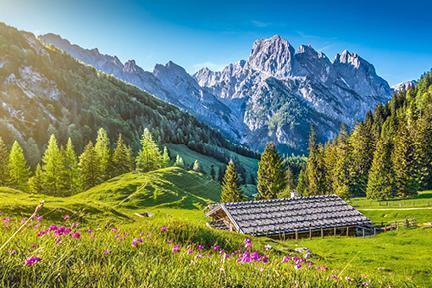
[[273, 56]]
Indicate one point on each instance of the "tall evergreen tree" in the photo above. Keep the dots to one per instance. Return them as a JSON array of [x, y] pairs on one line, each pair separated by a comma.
[[381, 179], [423, 150], [36, 182], [362, 146], [340, 176], [102, 149], [89, 167], [4, 172], [52, 167], [315, 168], [165, 157], [71, 170], [271, 178], [212, 172], [302, 184], [196, 166], [230, 188], [19, 171], [403, 160], [179, 161], [149, 158], [290, 184], [122, 158]]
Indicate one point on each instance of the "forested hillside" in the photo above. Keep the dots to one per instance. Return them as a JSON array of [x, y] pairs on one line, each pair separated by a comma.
[[45, 92], [387, 155]]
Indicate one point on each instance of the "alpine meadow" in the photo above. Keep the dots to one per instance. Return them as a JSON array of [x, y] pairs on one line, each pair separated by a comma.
[[245, 163]]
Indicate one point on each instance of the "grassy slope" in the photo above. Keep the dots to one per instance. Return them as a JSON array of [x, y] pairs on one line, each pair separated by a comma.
[[189, 156]]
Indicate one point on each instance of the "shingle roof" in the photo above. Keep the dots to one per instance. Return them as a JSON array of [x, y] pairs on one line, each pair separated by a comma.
[[278, 216]]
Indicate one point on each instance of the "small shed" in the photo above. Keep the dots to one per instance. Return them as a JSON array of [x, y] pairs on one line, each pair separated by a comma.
[[291, 217]]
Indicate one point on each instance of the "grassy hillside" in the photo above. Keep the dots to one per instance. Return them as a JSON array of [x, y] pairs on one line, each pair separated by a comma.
[[176, 197], [168, 187], [189, 156]]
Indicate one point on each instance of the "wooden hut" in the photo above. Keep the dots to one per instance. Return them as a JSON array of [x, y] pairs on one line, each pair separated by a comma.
[[291, 218]]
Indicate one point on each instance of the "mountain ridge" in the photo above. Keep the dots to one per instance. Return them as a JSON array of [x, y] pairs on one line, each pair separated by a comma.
[[274, 95]]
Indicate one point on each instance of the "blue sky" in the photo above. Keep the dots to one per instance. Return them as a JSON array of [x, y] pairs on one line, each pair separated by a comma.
[[395, 36]]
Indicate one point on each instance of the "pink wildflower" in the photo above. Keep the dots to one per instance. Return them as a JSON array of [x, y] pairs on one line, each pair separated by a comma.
[[365, 284], [176, 248], [348, 278], [309, 264], [200, 247], [286, 259], [30, 261], [106, 251], [114, 229], [66, 217], [216, 247], [39, 218], [334, 276], [6, 220], [298, 266], [189, 251], [163, 229], [76, 235], [267, 247]]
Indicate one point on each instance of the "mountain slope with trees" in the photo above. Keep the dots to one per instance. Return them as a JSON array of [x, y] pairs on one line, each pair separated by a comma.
[[387, 155], [44, 91]]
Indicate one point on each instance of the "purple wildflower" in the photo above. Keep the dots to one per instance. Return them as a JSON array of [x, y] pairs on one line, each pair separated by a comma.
[[298, 266], [39, 218], [30, 261], [163, 229], [286, 259]]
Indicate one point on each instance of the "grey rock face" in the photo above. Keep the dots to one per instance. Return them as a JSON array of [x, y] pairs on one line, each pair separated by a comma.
[[274, 95], [282, 92]]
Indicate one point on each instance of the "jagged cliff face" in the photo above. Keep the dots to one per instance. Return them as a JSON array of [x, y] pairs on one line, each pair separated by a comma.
[[282, 91], [274, 95]]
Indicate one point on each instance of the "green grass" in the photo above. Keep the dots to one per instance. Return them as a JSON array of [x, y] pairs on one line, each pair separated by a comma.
[[169, 187], [382, 212], [189, 156], [176, 198], [423, 199]]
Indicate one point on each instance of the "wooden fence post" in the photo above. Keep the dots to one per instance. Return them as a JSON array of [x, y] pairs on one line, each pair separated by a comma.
[[347, 231], [334, 231], [363, 231], [296, 234], [310, 232], [322, 232]]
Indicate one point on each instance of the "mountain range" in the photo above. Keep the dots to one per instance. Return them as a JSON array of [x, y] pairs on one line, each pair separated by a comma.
[[276, 94]]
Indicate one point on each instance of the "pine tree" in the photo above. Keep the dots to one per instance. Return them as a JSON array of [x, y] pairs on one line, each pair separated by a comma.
[[165, 157], [315, 168], [381, 180], [271, 180], [52, 167], [102, 149], [36, 183], [19, 172], [71, 170], [362, 146], [212, 172], [4, 155], [149, 158], [121, 159], [179, 161], [340, 174], [403, 160], [196, 166], [302, 184], [290, 184], [423, 150], [89, 167], [230, 189]]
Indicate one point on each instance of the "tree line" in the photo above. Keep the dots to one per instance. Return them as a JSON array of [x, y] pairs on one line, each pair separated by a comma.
[[61, 172]]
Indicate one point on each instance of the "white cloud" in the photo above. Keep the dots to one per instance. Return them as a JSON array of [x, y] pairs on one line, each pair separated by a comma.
[[260, 24]]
